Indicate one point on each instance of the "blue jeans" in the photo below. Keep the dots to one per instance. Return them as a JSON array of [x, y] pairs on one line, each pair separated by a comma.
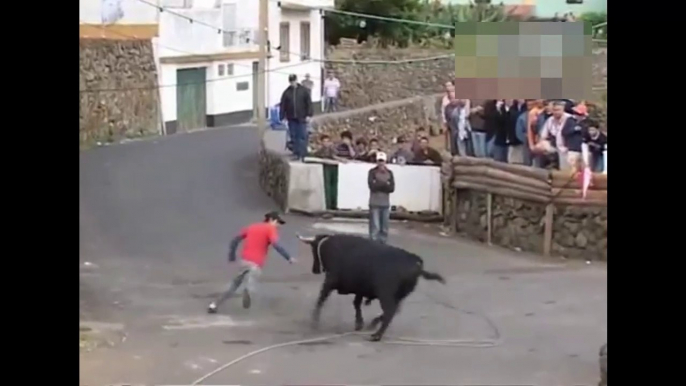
[[379, 217], [461, 147], [479, 142], [299, 137], [500, 153]]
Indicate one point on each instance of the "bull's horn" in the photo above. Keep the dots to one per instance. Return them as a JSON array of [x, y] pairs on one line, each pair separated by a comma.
[[304, 239]]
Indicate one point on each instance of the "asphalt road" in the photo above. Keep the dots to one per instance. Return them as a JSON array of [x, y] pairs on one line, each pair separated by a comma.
[[156, 217]]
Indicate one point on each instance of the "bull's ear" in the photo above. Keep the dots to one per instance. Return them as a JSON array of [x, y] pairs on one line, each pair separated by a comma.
[[306, 240]]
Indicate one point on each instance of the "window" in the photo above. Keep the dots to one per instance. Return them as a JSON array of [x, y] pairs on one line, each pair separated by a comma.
[[305, 40], [229, 68], [230, 37], [177, 3], [284, 41], [220, 70], [242, 86]]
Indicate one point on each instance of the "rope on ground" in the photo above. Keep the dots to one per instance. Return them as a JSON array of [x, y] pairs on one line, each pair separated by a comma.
[[487, 343]]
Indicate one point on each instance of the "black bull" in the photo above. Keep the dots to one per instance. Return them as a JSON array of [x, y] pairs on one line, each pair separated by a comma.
[[367, 269]]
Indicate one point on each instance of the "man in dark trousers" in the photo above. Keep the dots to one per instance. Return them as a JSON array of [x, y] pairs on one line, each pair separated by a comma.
[[296, 108], [381, 184], [257, 238]]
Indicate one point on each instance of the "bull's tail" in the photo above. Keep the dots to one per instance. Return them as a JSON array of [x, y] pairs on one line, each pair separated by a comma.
[[432, 276]]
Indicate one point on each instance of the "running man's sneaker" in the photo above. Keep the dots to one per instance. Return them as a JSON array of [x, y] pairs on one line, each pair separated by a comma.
[[246, 299], [212, 309]]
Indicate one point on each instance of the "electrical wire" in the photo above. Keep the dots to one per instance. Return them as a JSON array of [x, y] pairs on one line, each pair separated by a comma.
[[175, 84], [221, 30], [278, 70]]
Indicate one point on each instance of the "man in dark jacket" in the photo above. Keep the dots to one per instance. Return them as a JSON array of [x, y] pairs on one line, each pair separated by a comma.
[[296, 108], [381, 184]]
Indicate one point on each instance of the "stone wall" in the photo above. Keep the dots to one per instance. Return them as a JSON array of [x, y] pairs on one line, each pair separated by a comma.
[[273, 175], [384, 122], [531, 209], [578, 232], [129, 106], [364, 84]]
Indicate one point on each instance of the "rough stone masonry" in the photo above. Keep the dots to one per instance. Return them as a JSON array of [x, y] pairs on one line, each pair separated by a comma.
[[118, 95]]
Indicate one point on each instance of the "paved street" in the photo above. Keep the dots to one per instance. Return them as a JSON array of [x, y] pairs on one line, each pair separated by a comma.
[[156, 218]]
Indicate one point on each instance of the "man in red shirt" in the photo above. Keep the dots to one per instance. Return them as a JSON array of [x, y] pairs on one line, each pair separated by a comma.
[[257, 239]]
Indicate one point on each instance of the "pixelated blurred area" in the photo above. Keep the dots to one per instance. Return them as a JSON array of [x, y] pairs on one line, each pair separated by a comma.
[[509, 60]]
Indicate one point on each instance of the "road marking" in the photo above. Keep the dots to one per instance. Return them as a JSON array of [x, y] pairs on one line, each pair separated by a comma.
[[195, 322]]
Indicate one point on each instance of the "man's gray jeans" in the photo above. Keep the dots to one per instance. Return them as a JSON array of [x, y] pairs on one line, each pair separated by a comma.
[[330, 104], [379, 218], [248, 274]]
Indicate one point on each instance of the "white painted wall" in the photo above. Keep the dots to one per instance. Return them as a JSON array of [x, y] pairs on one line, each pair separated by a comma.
[[222, 95], [417, 188], [134, 11], [277, 77]]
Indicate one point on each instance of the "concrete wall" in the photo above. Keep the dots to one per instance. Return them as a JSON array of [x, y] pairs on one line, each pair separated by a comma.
[[131, 107]]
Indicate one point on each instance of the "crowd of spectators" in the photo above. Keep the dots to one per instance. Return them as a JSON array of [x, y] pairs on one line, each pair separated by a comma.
[[540, 133]]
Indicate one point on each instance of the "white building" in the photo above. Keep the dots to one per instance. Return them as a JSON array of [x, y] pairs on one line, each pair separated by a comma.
[[208, 75]]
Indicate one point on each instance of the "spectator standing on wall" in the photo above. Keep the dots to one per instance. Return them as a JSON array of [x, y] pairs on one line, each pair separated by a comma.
[[308, 83], [573, 137], [381, 184], [332, 88], [460, 129], [532, 133], [447, 97], [476, 121], [345, 148], [296, 108], [596, 141], [502, 122], [517, 149], [551, 135]]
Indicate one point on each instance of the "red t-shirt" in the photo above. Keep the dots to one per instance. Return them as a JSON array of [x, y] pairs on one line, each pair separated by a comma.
[[256, 240]]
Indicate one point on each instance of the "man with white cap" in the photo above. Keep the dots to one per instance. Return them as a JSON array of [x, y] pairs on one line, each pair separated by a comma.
[[381, 184]]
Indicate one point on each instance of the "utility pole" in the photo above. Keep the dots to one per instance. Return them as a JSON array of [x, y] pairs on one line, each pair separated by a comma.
[[262, 68]]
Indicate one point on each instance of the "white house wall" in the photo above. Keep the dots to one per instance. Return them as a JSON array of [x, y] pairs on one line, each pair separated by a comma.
[[223, 98], [277, 77], [133, 11]]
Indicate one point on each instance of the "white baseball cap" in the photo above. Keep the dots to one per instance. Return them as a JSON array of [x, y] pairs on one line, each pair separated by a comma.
[[381, 156]]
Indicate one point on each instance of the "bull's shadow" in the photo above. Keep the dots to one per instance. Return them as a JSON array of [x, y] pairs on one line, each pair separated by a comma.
[[370, 270]]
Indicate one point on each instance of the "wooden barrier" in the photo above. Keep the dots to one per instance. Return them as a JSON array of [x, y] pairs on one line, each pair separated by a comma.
[[546, 188]]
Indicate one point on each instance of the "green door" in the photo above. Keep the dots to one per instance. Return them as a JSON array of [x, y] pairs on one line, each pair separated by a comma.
[[190, 99]]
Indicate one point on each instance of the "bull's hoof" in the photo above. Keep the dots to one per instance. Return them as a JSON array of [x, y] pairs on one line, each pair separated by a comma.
[[359, 325], [375, 337], [314, 325]]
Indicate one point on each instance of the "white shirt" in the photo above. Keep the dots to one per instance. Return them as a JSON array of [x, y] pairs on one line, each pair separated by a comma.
[[331, 87]]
